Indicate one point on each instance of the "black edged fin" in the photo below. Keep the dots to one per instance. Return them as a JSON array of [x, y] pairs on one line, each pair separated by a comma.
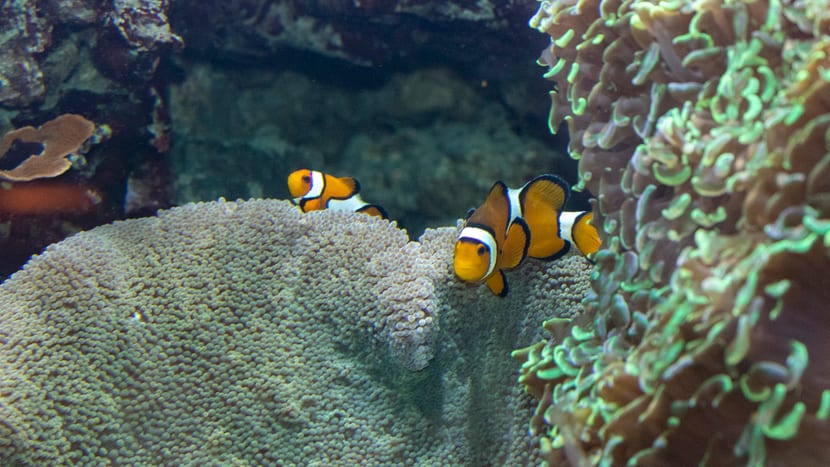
[[585, 235], [373, 210], [514, 250], [497, 283], [469, 213], [498, 189], [562, 252], [495, 211], [541, 200], [548, 188]]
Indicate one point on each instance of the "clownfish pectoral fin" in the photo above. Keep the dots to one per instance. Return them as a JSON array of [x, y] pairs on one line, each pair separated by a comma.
[[497, 283], [373, 210], [541, 200], [310, 204], [514, 250], [585, 235]]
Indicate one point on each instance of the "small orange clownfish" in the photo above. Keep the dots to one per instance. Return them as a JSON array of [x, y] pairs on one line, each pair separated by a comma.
[[512, 224], [312, 190]]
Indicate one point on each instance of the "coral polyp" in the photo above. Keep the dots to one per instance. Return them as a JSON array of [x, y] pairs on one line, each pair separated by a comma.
[[702, 128]]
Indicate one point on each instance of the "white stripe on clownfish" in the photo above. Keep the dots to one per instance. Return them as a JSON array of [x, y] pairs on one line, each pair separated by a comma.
[[318, 184], [353, 203]]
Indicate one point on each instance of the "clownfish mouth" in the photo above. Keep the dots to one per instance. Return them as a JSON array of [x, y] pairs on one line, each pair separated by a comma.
[[469, 274]]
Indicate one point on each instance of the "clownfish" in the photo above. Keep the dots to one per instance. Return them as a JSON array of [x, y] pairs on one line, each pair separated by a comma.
[[512, 224], [312, 190]]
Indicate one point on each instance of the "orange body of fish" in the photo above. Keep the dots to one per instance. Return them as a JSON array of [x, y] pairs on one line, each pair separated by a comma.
[[47, 197]]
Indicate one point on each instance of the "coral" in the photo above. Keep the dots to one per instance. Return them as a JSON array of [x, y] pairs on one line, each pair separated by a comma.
[[21, 80], [701, 126], [96, 59], [55, 141], [250, 333], [143, 24], [26, 69]]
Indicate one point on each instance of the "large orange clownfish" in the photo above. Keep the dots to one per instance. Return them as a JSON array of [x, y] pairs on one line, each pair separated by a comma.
[[516, 223], [312, 190]]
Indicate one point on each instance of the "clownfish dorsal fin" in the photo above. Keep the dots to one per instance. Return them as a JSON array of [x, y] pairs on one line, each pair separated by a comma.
[[497, 283], [350, 186], [373, 210], [541, 201], [495, 211], [339, 188], [514, 249], [497, 194], [585, 235]]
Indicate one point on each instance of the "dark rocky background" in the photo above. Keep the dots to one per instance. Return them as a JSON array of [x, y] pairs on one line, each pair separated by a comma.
[[427, 103]]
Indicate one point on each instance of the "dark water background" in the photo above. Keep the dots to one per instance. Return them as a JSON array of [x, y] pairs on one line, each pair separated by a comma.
[[426, 103]]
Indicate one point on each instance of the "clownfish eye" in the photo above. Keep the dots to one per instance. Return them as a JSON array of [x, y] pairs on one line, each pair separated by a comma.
[[481, 250], [306, 179]]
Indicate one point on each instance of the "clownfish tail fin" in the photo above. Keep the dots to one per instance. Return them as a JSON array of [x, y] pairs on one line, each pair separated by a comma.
[[541, 200], [585, 235], [352, 187], [373, 210]]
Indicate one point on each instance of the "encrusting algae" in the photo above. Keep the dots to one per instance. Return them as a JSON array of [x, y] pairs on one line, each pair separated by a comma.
[[702, 127]]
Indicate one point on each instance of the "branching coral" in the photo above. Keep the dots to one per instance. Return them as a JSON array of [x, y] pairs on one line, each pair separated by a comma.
[[48, 147], [702, 128]]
